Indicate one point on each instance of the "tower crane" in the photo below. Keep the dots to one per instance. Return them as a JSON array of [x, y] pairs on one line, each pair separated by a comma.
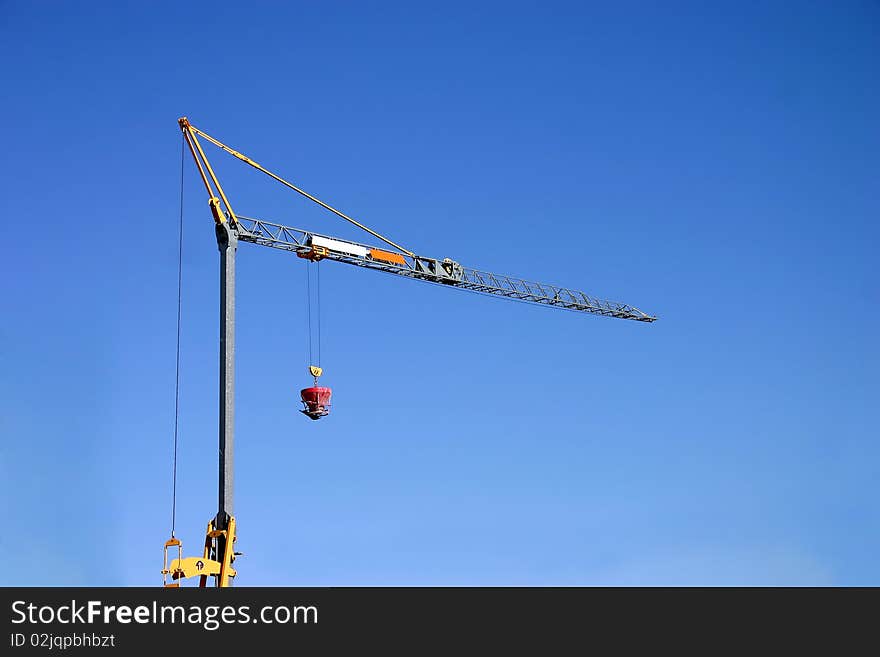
[[230, 229]]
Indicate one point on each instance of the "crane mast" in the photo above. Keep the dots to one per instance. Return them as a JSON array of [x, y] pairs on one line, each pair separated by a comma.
[[230, 228]]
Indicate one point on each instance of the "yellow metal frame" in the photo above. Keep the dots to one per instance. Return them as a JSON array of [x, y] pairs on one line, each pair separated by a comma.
[[190, 132], [204, 566], [316, 253], [171, 543], [203, 165]]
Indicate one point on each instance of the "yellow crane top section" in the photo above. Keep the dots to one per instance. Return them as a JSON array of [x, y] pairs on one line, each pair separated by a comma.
[[190, 132]]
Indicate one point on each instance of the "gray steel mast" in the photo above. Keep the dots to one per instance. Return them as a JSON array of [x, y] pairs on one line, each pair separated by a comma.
[[227, 242]]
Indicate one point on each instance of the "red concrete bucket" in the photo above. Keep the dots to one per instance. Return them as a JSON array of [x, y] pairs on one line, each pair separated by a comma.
[[316, 401]]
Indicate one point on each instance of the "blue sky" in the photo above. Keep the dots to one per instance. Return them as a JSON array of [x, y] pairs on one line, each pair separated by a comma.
[[711, 163]]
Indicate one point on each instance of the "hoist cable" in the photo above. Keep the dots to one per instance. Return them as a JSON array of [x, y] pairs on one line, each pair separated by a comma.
[[309, 306], [177, 358], [318, 304], [314, 326]]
